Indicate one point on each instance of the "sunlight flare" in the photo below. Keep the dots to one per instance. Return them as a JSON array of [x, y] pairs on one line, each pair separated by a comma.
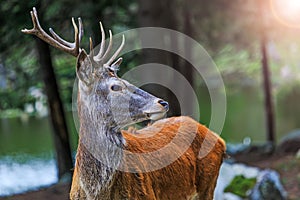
[[287, 12]]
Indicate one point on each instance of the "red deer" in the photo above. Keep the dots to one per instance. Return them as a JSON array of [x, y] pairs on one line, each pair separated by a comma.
[[112, 163]]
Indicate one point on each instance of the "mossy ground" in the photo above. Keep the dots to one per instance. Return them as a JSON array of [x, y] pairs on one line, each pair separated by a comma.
[[240, 185]]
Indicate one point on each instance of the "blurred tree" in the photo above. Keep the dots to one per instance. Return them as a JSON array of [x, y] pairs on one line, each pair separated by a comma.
[[161, 14], [58, 120], [267, 85], [18, 73], [57, 115]]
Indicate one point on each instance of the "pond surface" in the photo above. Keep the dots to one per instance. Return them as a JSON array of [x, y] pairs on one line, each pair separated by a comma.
[[23, 172], [26, 154]]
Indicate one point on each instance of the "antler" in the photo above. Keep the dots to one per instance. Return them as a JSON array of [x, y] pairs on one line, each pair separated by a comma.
[[102, 54], [74, 48], [56, 41]]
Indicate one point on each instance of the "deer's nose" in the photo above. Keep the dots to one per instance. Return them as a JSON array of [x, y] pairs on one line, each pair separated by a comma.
[[164, 104]]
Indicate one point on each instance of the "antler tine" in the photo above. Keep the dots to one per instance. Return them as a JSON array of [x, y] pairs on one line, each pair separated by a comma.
[[101, 55], [60, 40], [109, 45], [81, 31], [102, 45], [37, 29], [115, 66], [56, 41], [91, 48], [34, 21], [77, 35], [117, 52]]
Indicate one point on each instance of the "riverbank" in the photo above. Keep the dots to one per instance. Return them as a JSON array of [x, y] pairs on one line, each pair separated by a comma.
[[54, 192]]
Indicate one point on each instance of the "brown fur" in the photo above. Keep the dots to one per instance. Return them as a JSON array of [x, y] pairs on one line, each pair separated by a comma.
[[186, 178]]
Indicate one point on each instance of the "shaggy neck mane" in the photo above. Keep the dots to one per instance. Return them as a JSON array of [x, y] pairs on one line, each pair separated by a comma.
[[97, 126], [100, 147]]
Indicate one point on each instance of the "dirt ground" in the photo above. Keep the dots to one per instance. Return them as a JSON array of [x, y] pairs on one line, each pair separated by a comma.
[[287, 166], [55, 192]]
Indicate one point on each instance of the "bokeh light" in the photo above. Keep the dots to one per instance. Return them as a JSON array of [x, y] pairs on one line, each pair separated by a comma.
[[287, 12]]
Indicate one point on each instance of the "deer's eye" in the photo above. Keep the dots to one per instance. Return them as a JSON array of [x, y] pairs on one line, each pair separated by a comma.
[[116, 88]]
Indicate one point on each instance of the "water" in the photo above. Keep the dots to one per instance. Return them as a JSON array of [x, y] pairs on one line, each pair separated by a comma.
[[26, 154], [24, 172]]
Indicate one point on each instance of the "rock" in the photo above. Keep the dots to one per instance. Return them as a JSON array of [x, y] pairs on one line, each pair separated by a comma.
[[233, 149], [263, 149], [298, 154], [290, 143], [250, 150], [268, 187]]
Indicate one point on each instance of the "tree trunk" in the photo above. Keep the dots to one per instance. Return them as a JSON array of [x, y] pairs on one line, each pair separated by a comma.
[[268, 94], [269, 107], [160, 14], [60, 131], [188, 69]]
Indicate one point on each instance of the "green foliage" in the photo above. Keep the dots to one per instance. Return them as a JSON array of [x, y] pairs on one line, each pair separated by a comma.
[[13, 20], [238, 67], [65, 74], [11, 113], [21, 73], [240, 185], [19, 64]]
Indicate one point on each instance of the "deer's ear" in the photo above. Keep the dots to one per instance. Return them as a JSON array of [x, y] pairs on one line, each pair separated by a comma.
[[84, 68]]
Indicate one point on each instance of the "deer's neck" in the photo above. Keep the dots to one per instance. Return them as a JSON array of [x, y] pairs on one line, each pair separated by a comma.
[[99, 152]]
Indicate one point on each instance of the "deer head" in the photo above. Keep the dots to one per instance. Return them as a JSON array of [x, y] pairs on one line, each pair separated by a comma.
[[103, 97]]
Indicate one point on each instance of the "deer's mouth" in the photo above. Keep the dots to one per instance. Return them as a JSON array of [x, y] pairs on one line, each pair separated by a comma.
[[155, 115], [158, 113]]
